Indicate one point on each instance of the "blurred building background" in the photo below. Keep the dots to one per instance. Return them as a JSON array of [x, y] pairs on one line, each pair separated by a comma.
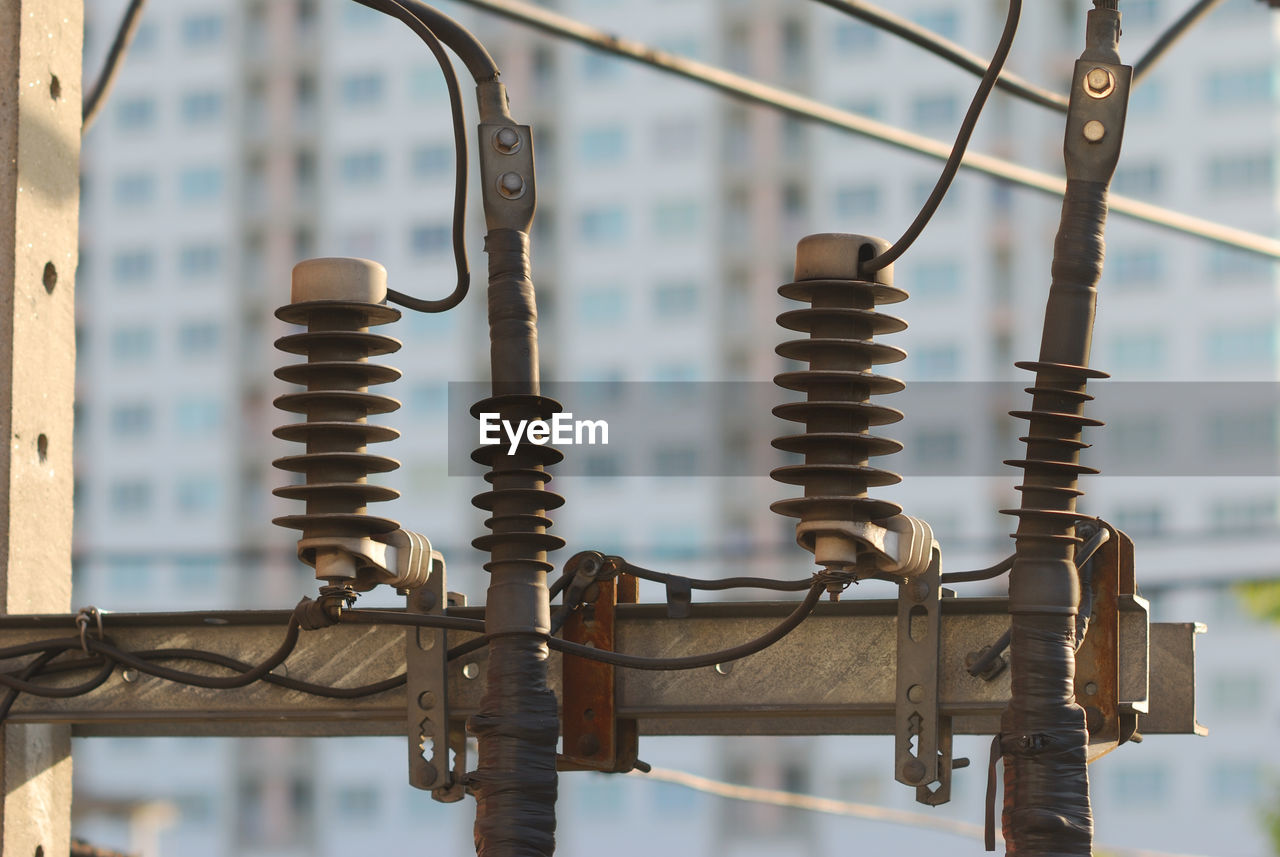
[[245, 135]]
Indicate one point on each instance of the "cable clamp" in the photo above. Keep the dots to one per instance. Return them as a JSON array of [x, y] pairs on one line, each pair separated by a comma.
[[83, 618]]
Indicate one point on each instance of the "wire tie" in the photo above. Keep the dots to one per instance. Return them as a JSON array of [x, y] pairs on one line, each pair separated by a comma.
[[82, 622]]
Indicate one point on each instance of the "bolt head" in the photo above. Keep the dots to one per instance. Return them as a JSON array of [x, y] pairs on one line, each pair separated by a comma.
[[915, 694], [506, 141], [1094, 131], [511, 185], [426, 700], [913, 771], [1099, 82]]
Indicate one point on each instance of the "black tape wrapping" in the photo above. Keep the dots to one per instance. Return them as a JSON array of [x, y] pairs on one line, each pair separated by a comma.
[[1044, 742], [513, 315], [518, 726]]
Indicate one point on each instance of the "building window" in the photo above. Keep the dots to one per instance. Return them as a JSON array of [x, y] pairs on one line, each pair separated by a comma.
[[1138, 179], [1141, 13], [861, 200], [855, 36], [1134, 268], [196, 494], [358, 802], [200, 260], [935, 279], [429, 161], [675, 219], [1240, 87], [603, 306], [202, 30], [198, 339], [430, 239], [129, 575], [1142, 783], [130, 498], [195, 573], [1235, 782], [934, 110], [200, 184], [134, 189], [1137, 350], [1138, 519], [598, 67], [937, 362], [136, 114], [1243, 515], [1236, 693], [132, 420], [198, 416], [201, 108], [361, 168], [1242, 344], [603, 145], [132, 344], [1243, 432], [675, 300], [937, 447], [362, 90], [426, 86], [133, 267], [942, 22], [603, 225], [1231, 264], [1245, 172]]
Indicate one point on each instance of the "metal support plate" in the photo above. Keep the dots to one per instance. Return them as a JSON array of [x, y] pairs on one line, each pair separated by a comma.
[[916, 727], [427, 691], [835, 674]]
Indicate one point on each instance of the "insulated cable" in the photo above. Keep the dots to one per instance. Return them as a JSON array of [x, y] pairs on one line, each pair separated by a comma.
[[1166, 40], [111, 65], [415, 20], [952, 165], [947, 50]]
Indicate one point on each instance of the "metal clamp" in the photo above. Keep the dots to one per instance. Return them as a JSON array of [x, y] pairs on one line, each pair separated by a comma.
[[895, 548], [920, 735], [426, 658], [595, 739]]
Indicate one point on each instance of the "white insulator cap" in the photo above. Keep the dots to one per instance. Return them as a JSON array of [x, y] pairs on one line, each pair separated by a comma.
[[339, 279], [835, 256]]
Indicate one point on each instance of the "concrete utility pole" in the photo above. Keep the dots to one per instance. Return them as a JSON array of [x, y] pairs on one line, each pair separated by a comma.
[[40, 45]]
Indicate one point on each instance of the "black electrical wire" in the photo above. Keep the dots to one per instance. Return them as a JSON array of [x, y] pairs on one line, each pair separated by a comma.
[[980, 574], [1170, 36], [718, 584], [395, 617], [957, 149], [32, 669], [639, 662], [461, 41], [111, 66], [415, 20], [996, 649], [947, 50]]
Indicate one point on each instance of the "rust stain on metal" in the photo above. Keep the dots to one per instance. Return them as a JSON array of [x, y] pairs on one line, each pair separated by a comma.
[[1097, 682], [594, 738]]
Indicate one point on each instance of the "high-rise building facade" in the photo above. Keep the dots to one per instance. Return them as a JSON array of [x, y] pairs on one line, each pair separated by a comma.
[[245, 136]]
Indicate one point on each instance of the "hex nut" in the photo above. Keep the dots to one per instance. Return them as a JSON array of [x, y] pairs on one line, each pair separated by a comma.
[[1099, 82]]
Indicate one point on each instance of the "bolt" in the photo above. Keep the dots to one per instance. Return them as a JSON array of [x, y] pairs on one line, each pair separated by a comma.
[[470, 670], [724, 669], [426, 700], [589, 745], [506, 141], [1091, 689], [130, 675], [915, 694], [913, 771], [511, 185], [1099, 83], [1094, 130]]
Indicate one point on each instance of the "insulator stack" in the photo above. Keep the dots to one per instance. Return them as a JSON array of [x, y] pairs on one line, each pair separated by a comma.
[[1052, 466], [338, 300], [838, 385], [518, 500]]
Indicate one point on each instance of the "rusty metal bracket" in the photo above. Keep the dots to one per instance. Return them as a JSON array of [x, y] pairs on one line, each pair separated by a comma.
[[426, 681], [595, 738], [917, 726], [506, 162]]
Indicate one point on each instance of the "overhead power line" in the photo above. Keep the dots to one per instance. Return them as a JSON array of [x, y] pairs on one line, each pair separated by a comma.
[[802, 107], [849, 809], [111, 65], [1167, 39], [947, 50]]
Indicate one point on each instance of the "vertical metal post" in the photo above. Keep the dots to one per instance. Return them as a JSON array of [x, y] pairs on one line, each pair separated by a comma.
[[40, 46]]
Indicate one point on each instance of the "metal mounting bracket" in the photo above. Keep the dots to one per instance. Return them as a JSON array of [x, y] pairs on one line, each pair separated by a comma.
[[427, 697], [918, 730], [595, 738]]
